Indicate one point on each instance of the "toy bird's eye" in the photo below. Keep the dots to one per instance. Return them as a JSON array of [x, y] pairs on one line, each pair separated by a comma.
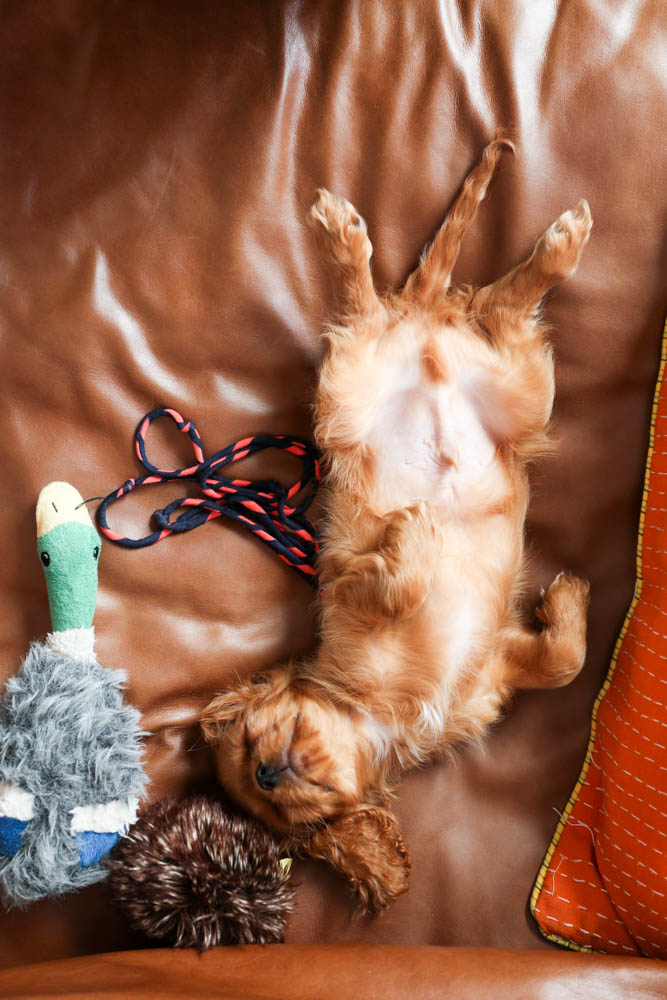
[[46, 558], [96, 552]]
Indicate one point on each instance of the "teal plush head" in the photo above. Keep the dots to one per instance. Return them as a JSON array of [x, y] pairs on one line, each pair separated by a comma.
[[69, 548]]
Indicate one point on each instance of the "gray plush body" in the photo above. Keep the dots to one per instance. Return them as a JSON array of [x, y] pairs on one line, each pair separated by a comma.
[[68, 738]]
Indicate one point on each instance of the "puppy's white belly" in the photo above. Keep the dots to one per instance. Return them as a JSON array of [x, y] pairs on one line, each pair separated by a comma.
[[429, 444]]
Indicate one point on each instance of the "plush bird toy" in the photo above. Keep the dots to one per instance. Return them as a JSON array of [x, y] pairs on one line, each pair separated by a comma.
[[70, 747]]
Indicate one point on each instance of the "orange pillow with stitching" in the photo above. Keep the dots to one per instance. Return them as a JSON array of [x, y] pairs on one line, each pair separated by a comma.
[[603, 884]]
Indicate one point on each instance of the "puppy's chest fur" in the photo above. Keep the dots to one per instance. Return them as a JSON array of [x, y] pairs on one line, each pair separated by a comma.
[[413, 673], [422, 668], [429, 441]]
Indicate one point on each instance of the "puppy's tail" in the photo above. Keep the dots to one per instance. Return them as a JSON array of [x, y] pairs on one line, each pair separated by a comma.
[[434, 272]]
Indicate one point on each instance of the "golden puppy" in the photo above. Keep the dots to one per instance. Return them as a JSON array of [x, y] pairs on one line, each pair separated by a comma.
[[430, 404]]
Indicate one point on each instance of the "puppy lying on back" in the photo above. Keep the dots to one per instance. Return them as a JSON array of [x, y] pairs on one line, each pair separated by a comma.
[[430, 404]]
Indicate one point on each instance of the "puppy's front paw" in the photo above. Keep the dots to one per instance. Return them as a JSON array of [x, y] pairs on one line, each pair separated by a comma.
[[415, 526], [340, 225], [379, 892]]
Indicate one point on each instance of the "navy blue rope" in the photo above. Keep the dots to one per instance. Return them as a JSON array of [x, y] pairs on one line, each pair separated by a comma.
[[266, 507]]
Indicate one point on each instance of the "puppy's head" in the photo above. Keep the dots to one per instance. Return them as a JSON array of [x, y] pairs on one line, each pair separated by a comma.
[[289, 758], [299, 763]]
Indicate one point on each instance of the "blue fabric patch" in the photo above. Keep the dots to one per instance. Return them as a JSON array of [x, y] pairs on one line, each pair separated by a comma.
[[11, 835], [93, 846]]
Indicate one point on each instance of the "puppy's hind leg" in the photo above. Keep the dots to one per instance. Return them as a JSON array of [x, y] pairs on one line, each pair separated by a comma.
[[554, 656], [556, 255]]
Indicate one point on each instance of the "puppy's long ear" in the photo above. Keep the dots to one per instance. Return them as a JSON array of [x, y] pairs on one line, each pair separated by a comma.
[[228, 706], [223, 709], [367, 847]]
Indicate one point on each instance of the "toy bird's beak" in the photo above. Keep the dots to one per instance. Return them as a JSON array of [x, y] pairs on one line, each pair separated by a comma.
[[58, 503]]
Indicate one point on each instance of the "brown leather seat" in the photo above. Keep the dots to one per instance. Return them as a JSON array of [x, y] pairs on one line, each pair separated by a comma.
[[158, 163]]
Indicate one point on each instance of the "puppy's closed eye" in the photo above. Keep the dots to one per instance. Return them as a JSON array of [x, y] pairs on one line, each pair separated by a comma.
[[318, 784]]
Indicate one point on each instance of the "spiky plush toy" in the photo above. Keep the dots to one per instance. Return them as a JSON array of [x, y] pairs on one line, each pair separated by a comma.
[[196, 873], [70, 747]]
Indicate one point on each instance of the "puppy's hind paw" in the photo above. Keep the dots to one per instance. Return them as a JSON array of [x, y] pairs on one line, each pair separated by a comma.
[[565, 602]]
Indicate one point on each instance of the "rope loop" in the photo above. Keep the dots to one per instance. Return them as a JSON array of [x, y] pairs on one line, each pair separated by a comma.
[[266, 508]]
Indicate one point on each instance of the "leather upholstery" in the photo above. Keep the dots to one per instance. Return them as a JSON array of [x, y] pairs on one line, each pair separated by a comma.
[[327, 973], [159, 161]]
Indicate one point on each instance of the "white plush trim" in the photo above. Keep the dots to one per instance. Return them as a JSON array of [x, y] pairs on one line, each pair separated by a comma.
[[111, 817], [76, 643], [16, 803]]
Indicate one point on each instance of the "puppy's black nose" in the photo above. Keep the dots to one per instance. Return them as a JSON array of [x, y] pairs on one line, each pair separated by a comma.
[[267, 777]]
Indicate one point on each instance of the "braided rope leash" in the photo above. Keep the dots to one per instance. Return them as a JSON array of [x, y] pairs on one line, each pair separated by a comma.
[[264, 508]]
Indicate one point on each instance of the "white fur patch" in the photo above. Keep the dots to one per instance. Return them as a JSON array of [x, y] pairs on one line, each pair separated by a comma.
[[378, 734], [463, 637], [76, 643], [431, 718], [111, 817], [16, 803]]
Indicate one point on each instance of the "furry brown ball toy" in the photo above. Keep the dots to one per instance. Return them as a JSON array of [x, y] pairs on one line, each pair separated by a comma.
[[196, 874]]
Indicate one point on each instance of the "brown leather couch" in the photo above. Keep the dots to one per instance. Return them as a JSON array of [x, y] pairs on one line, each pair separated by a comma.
[[158, 161]]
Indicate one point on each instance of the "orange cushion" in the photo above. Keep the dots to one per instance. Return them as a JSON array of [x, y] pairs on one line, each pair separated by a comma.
[[603, 884]]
